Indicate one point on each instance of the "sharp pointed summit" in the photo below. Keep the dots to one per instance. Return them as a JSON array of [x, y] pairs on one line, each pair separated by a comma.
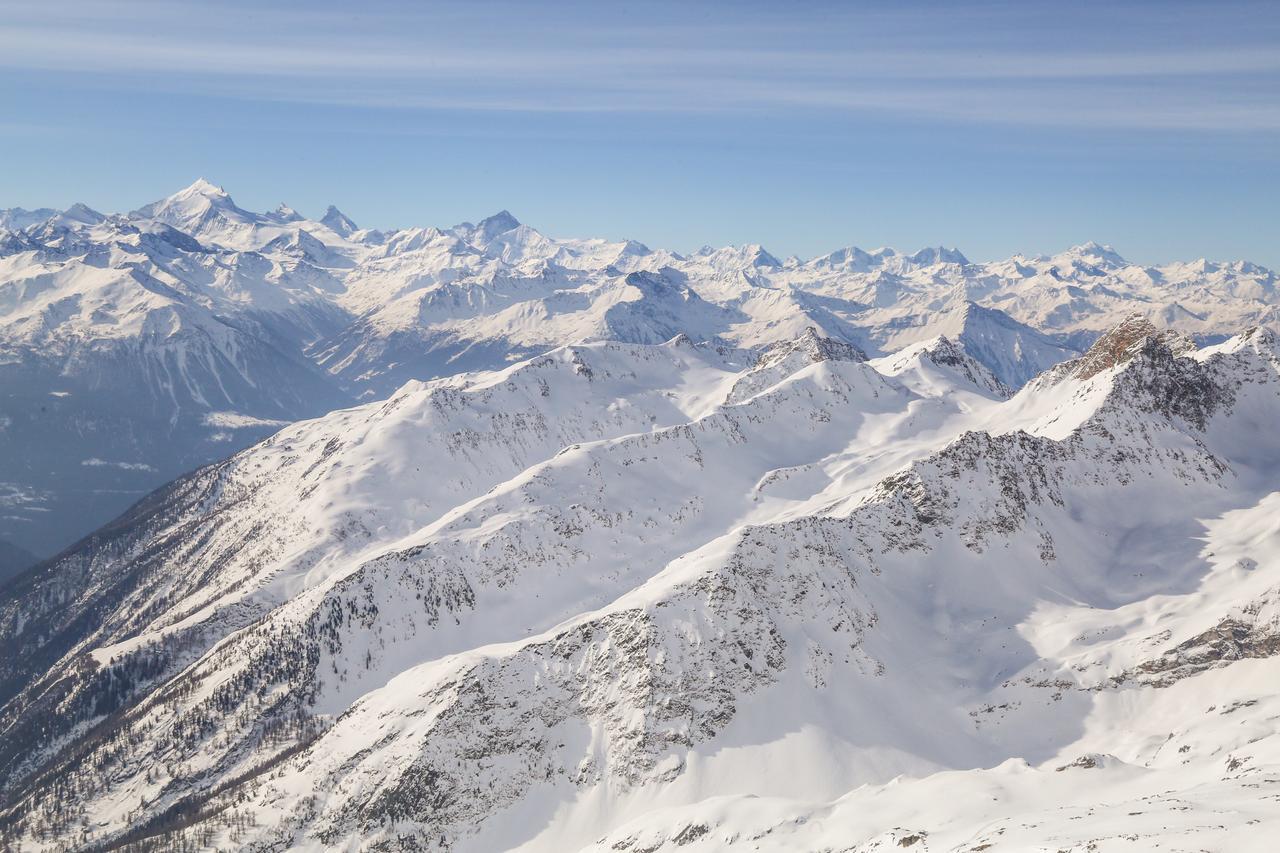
[[760, 257], [82, 214], [285, 213], [338, 222], [202, 187], [499, 223], [193, 207]]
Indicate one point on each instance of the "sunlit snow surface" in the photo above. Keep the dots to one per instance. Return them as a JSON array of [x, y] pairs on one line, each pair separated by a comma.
[[679, 596], [179, 333]]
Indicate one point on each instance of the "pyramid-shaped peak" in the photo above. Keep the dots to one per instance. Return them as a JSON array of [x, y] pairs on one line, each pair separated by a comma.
[[499, 222], [951, 354], [80, 212], [1110, 349], [760, 257], [945, 351], [633, 248], [487, 229], [337, 221], [814, 346], [503, 217], [203, 187], [971, 313], [193, 200], [1124, 341]]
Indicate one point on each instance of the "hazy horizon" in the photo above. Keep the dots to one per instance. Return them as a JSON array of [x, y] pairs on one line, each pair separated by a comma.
[[994, 128]]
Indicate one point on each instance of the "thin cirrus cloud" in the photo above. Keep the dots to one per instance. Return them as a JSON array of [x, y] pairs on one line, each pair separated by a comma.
[[403, 58], [53, 49], [47, 48]]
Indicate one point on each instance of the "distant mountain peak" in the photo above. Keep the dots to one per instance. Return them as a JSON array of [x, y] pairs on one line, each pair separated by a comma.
[[285, 213], [972, 312], [499, 223], [760, 257], [17, 218], [201, 186], [633, 249], [80, 212], [502, 219], [747, 255], [848, 257], [1099, 252], [813, 345], [191, 205], [937, 255], [1012, 351], [337, 221]]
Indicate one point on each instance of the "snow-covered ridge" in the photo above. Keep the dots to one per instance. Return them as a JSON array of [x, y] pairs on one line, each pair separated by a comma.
[[148, 322], [685, 596]]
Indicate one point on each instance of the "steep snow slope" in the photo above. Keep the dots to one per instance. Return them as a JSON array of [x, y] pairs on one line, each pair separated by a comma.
[[213, 552], [1013, 352], [939, 365], [218, 323], [1141, 700], [641, 597]]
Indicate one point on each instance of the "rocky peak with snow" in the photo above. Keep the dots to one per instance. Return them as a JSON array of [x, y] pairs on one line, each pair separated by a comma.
[[1123, 342], [338, 222], [488, 228], [285, 213], [680, 596], [812, 346], [189, 304]]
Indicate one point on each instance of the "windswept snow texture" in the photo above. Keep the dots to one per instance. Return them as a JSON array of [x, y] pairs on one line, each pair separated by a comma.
[[687, 596], [184, 331]]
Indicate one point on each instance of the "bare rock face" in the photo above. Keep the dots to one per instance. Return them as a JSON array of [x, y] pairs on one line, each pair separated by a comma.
[[1251, 631], [1125, 341], [813, 346]]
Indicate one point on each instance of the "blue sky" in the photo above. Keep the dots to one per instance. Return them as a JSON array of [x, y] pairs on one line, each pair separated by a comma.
[[992, 127]]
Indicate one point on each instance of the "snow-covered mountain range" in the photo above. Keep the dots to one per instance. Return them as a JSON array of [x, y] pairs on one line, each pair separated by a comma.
[[855, 592], [179, 333]]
